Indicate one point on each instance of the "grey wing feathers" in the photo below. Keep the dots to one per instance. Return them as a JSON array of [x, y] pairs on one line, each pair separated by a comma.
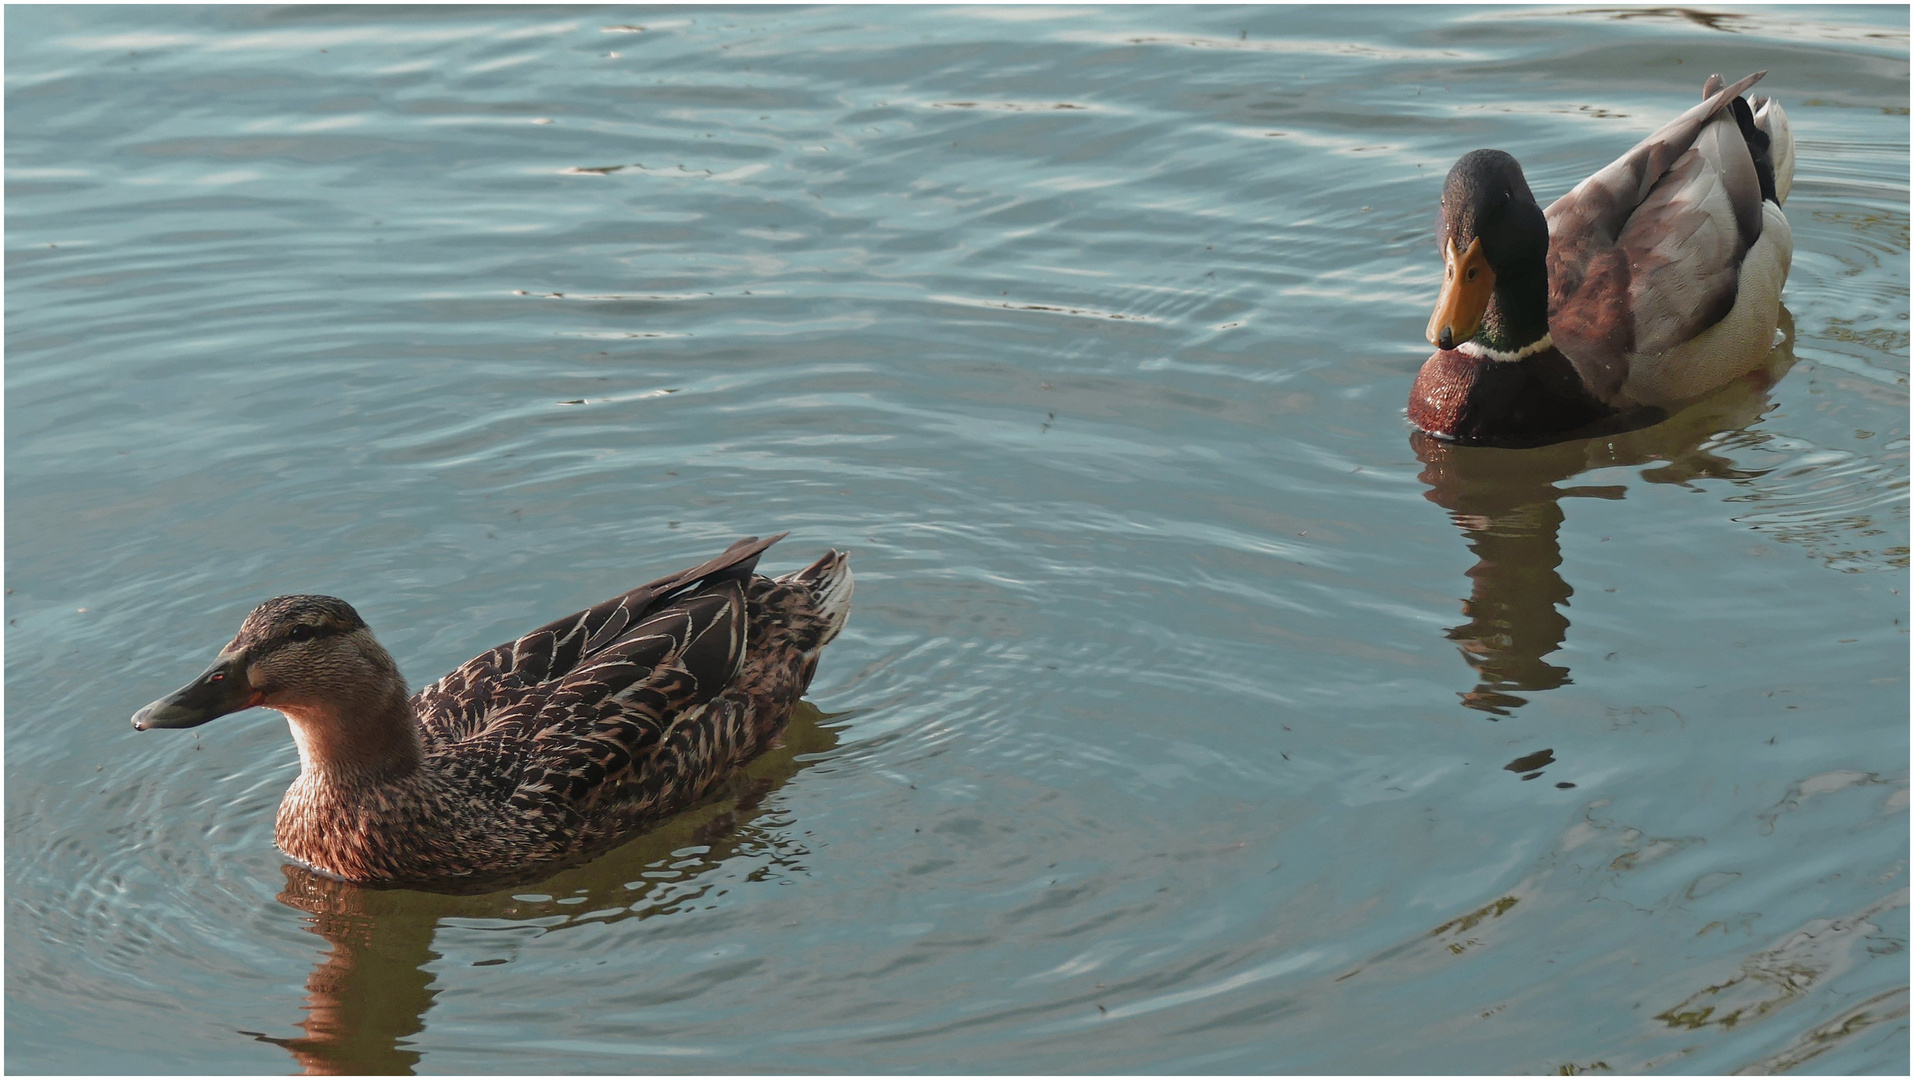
[[1603, 202], [1672, 219], [1684, 247]]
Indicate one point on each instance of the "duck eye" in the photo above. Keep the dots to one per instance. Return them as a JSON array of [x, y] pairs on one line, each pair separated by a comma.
[[1471, 273], [217, 676], [299, 633]]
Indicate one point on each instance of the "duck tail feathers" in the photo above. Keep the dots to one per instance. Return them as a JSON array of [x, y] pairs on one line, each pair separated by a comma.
[[1772, 119], [1765, 126], [829, 582]]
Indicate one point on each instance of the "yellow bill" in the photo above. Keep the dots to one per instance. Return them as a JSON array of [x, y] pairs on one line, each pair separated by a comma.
[[1467, 285]]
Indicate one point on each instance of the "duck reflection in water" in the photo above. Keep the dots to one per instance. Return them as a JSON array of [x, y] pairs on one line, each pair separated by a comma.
[[1508, 504], [370, 993]]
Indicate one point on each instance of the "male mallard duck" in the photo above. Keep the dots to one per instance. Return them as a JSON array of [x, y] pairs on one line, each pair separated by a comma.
[[1650, 284], [551, 747]]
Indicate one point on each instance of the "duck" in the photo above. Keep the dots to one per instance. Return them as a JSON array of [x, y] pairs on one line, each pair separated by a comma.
[[537, 754], [1651, 284]]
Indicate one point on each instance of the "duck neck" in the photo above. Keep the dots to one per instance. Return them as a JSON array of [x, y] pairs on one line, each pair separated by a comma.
[[1517, 315], [371, 739]]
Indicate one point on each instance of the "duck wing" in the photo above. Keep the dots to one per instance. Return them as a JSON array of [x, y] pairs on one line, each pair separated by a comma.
[[572, 760], [498, 684], [1646, 253], [589, 727]]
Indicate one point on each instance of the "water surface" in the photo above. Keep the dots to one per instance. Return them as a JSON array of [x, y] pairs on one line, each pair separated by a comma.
[[1192, 715]]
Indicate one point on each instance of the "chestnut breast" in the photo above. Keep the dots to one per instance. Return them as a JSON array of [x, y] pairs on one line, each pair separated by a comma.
[[1472, 399]]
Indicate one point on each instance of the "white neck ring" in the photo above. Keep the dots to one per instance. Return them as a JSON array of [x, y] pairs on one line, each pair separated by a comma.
[[1483, 352]]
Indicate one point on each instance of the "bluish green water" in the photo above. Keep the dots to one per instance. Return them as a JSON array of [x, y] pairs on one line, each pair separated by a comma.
[[1192, 716]]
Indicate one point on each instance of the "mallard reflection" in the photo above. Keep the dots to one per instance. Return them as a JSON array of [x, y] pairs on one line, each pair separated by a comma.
[[1508, 504], [369, 995]]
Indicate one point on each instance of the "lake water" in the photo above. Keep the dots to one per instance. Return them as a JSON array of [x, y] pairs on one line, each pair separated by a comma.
[[1192, 715]]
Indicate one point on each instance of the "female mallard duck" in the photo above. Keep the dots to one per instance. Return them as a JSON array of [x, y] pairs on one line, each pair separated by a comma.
[[1653, 282], [551, 747]]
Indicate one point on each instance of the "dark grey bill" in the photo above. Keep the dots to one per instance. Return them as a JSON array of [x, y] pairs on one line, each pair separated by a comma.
[[219, 690]]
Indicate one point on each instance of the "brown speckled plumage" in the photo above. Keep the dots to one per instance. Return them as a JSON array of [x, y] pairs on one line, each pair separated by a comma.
[[546, 749]]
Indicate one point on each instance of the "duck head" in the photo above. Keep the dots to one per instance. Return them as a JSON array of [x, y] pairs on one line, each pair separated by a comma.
[[1497, 378], [1494, 244], [305, 655], [313, 659]]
